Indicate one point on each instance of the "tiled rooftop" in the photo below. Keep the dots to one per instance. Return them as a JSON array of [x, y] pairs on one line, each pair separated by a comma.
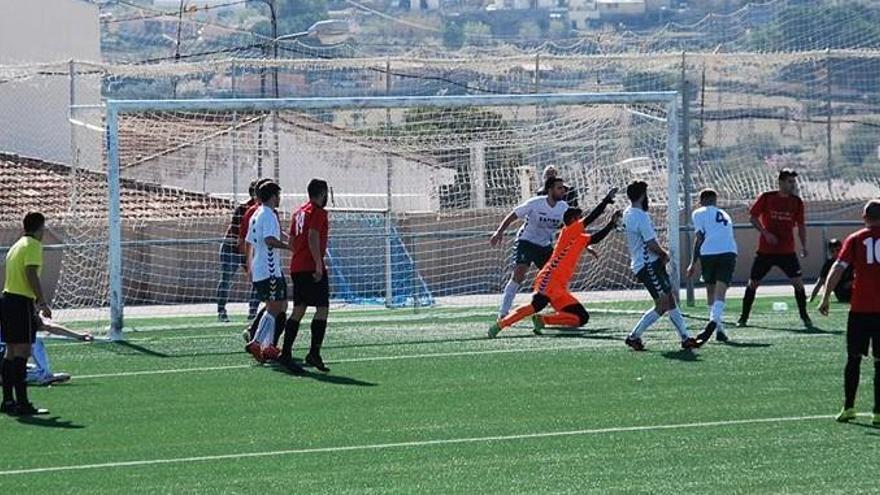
[[28, 184]]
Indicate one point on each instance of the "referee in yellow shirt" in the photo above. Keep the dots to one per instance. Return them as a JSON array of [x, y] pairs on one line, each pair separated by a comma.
[[22, 295]]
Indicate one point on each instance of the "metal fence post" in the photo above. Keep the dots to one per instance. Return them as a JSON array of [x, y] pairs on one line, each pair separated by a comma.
[[389, 273], [686, 172]]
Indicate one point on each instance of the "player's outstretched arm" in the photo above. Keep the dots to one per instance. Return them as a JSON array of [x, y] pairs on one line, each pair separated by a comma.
[[499, 233], [831, 284], [607, 229], [56, 329], [695, 257], [817, 287], [600, 208]]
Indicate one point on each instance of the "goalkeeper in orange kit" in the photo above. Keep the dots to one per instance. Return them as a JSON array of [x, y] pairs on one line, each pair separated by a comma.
[[551, 284]]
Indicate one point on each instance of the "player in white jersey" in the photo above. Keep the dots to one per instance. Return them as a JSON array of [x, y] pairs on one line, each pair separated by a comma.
[[264, 236], [541, 216], [648, 262], [714, 250]]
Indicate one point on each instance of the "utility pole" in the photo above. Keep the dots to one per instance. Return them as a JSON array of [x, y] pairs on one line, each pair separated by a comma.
[[177, 46]]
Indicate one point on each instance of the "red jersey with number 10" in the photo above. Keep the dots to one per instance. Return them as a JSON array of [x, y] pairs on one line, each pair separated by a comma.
[[861, 251], [308, 217], [779, 215]]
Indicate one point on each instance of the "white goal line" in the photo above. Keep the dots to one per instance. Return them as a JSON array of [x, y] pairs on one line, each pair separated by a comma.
[[418, 443]]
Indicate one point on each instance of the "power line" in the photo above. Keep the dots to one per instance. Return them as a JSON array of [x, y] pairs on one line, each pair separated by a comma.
[[157, 13]]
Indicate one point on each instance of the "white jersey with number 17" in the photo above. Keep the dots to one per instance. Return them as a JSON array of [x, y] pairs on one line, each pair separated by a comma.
[[717, 229]]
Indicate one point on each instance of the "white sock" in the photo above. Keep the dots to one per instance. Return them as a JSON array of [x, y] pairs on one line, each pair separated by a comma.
[[647, 320], [266, 330], [717, 312], [678, 321], [509, 294], [41, 358]]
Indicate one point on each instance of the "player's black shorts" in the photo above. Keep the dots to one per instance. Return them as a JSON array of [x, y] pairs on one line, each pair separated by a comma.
[[18, 319], [788, 263], [527, 253], [718, 268], [843, 294], [307, 292], [655, 278], [271, 289], [862, 333]]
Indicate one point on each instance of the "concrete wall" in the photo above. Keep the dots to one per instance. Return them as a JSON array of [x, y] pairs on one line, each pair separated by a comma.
[[34, 110], [620, 8]]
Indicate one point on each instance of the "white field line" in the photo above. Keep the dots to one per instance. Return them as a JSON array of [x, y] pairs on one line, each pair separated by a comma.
[[430, 355], [398, 357], [414, 444]]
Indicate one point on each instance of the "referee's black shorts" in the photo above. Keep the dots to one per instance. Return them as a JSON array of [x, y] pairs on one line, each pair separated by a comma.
[[18, 319], [307, 292], [863, 333], [788, 263]]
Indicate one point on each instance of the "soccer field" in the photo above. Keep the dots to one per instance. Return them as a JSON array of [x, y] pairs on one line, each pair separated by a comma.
[[431, 405]]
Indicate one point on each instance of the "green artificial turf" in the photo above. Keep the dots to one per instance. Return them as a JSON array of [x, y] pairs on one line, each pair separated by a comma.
[[429, 405]]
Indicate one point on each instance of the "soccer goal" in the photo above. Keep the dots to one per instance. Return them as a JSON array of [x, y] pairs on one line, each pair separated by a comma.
[[418, 184]]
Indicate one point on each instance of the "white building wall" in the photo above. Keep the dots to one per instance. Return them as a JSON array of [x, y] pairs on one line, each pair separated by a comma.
[[34, 109], [357, 174]]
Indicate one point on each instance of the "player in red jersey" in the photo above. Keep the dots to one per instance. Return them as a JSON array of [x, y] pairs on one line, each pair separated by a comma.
[[861, 251], [309, 231], [775, 214], [232, 256]]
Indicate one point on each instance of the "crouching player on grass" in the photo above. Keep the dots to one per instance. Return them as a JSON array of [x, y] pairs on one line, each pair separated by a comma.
[[551, 284], [861, 251]]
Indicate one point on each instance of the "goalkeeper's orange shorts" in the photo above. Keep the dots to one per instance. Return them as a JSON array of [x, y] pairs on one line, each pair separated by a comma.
[[559, 296]]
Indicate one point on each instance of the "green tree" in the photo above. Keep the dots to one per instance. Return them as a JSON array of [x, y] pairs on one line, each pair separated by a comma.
[[758, 145], [860, 143], [464, 126], [453, 35], [477, 33], [820, 26], [529, 30], [294, 16]]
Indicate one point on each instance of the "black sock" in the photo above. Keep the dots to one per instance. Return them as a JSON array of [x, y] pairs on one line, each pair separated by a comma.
[[800, 295], [255, 324], [876, 385], [851, 380], [8, 380], [291, 328], [319, 328], [280, 322], [19, 364], [748, 300]]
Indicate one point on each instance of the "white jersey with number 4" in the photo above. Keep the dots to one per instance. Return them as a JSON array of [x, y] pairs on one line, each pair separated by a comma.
[[266, 260], [717, 229], [639, 230], [540, 220]]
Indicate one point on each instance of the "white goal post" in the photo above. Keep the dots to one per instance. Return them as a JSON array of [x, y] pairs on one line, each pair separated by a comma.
[[664, 106]]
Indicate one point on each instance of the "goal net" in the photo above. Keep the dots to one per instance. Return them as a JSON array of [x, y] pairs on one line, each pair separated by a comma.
[[418, 184]]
